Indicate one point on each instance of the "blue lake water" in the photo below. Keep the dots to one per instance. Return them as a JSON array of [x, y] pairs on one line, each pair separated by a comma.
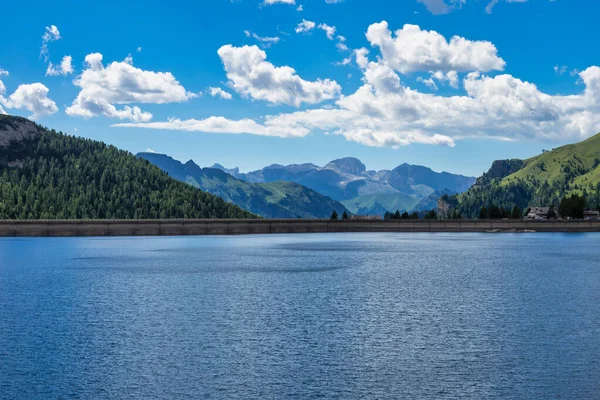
[[306, 316]]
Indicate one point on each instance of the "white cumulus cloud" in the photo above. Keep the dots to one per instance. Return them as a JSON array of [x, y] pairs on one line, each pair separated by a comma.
[[65, 67], [305, 26], [412, 49], [329, 31], [122, 83], [218, 92], [32, 97], [362, 57], [251, 75]]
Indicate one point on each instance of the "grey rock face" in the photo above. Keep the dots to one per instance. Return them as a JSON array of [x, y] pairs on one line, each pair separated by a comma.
[[13, 129]]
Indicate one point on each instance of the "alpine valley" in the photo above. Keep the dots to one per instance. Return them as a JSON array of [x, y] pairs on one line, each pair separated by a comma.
[[307, 190], [47, 174]]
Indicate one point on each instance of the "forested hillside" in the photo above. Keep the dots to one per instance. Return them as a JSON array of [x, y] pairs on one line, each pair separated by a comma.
[[49, 175], [543, 180]]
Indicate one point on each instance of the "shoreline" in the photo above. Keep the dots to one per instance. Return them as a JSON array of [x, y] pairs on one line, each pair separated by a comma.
[[40, 228]]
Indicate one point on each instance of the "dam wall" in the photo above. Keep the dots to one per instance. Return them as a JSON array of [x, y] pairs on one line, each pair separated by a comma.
[[267, 226]]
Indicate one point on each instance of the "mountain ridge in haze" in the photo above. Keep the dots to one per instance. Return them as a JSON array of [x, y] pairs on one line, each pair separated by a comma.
[[277, 199], [363, 191]]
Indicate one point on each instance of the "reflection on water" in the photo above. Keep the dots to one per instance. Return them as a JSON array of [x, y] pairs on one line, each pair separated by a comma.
[[321, 315]]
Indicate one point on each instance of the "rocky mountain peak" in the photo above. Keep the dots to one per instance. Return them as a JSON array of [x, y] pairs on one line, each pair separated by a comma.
[[348, 165], [232, 171]]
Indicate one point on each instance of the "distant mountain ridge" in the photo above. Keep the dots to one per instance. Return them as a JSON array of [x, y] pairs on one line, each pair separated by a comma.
[[277, 199], [362, 191], [235, 172]]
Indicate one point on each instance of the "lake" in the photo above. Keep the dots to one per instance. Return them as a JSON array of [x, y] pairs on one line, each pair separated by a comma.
[[306, 316]]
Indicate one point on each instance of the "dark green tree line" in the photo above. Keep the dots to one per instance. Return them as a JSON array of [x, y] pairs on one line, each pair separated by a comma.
[[58, 176], [572, 207]]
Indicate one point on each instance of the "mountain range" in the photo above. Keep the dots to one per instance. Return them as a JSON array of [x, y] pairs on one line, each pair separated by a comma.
[[310, 191], [347, 180], [279, 199], [542, 180]]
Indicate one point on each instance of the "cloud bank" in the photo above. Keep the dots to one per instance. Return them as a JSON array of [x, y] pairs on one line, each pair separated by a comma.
[[384, 111]]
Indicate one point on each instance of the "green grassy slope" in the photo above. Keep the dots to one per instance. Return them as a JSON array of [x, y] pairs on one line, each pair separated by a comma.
[[567, 163], [538, 181]]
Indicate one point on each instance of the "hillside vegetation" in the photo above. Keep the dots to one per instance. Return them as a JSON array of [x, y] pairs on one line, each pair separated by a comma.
[[49, 175], [539, 181]]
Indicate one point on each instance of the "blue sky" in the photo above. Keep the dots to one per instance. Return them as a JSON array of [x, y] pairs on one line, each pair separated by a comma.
[[518, 78]]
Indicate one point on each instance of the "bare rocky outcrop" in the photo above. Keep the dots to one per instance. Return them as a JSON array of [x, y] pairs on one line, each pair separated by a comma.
[[17, 129], [502, 168]]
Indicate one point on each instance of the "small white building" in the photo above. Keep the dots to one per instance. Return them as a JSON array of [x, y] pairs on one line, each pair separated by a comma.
[[538, 213]]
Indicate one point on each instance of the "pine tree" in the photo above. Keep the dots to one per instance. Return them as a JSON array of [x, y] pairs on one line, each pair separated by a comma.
[[431, 215], [483, 214], [516, 213]]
